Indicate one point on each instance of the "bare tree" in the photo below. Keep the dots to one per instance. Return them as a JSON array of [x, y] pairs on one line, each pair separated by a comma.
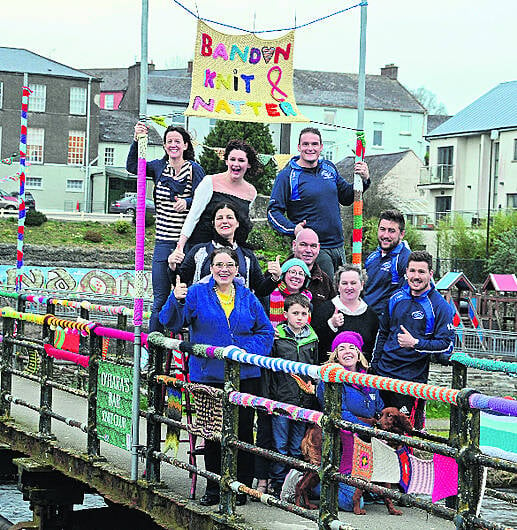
[[429, 100]]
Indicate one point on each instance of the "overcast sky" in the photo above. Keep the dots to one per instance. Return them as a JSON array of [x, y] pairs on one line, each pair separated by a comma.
[[458, 49]]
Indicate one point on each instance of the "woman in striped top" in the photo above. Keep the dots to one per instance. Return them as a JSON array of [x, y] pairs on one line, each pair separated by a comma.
[[176, 177]]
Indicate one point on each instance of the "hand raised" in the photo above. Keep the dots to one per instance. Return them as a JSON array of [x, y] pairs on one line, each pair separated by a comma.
[[179, 205], [274, 268], [299, 227], [337, 319], [180, 289], [406, 340]]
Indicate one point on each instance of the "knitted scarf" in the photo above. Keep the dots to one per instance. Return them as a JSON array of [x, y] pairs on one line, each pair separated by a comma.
[[276, 303]]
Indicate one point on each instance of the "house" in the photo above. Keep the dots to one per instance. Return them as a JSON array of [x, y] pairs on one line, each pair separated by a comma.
[[63, 127], [394, 120], [473, 158]]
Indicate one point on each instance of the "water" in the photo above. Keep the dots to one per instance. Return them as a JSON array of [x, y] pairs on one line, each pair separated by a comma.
[[16, 510]]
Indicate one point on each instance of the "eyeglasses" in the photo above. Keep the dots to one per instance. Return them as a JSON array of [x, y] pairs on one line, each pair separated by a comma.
[[220, 266], [296, 273]]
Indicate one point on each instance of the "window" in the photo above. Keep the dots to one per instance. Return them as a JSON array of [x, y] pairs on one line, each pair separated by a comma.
[[35, 145], [38, 98], [109, 101], [445, 163], [329, 150], [442, 206], [377, 133], [511, 200], [515, 149], [329, 116], [74, 185], [1, 94], [34, 183], [178, 120], [405, 125], [109, 154], [77, 100], [76, 148]]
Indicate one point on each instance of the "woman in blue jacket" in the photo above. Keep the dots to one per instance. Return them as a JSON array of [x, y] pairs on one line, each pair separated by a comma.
[[359, 404], [176, 177], [220, 311]]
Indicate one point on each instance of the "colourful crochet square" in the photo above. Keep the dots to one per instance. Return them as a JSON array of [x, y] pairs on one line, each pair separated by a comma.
[[422, 476], [445, 477], [386, 466], [405, 467], [362, 460]]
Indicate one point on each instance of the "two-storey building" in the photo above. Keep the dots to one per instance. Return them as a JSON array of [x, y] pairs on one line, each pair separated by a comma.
[[63, 128]]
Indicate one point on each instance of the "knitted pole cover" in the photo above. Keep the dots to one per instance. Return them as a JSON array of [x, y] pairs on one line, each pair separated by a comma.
[[26, 91], [357, 232], [140, 232]]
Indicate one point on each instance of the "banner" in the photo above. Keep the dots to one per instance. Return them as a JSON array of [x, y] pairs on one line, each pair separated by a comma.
[[243, 78]]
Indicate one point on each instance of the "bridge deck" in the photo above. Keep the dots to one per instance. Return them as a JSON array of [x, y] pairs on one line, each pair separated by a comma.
[[256, 516]]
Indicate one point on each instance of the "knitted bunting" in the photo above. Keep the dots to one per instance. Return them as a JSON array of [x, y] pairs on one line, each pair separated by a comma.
[[405, 467], [362, 464], [386, 466], [422, 476], [445, 477]]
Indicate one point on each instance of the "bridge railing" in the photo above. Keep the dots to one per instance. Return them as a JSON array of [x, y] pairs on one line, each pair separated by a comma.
[[462, 445]]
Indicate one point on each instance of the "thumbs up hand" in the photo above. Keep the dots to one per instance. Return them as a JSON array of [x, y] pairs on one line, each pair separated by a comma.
[[337, 319], [179, 205], [406, 340], [180, 289], [299, 227], [274, 268]]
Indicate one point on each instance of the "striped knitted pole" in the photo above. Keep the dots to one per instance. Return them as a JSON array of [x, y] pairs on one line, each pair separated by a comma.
[[357, 232], [26, 91]]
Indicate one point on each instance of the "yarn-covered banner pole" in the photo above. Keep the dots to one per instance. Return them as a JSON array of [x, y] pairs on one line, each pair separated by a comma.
[[26, 92], [357, 232]]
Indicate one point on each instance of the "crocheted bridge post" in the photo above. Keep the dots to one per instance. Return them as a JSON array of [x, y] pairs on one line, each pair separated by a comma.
[[357, 232]]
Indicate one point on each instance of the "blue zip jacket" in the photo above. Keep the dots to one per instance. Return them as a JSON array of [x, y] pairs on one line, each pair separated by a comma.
[[248, 327], [385, 275], [356, 401], [154, 170], [428, 318], [313, 195]]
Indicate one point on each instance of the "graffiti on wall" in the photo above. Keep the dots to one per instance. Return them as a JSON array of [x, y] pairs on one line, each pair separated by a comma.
[[118, 282]]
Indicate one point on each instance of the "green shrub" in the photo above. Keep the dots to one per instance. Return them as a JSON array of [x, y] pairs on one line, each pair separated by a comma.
[[35, 218], [93, 236], [122, 227], [149, 219]]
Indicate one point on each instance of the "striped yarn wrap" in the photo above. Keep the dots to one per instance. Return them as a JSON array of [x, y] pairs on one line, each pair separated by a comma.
[[357, 231], [489, 365], [26, 91], [140, 231], [272, 407]]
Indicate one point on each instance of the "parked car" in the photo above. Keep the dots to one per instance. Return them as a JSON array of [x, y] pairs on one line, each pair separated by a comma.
[[30, 202], [128, 205], [8, 203]]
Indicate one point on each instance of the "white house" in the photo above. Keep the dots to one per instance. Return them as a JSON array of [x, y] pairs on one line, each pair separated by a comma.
[[473, 157]]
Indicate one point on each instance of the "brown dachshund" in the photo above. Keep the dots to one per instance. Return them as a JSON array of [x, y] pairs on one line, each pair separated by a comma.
[[311, 450], [391, 420]]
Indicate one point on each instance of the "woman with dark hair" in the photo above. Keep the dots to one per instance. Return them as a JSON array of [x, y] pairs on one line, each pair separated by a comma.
[[220, 311], [176, 176], [241, 161], [346, 312], [226, 222]]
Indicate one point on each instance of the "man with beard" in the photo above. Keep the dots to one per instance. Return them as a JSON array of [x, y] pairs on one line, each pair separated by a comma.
[[306, 247], [416, 326], [386, 266]]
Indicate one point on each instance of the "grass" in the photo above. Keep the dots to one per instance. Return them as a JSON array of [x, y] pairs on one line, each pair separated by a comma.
[[71, 234], [437, 409]]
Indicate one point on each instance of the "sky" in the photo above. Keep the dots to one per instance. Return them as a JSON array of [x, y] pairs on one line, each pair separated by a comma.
[[457, 49]]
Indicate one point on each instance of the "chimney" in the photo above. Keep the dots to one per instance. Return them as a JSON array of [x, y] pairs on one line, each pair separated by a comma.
[[390, 70], [190, 65]]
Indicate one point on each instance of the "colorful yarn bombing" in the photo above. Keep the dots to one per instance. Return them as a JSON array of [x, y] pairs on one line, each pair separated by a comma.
[[498, 436], [105, 346], [82, 360], [333, 372], [489, 365], [362, 466], [26, 92], [506, 406], [271, 406], [34, 361], [357, 232]]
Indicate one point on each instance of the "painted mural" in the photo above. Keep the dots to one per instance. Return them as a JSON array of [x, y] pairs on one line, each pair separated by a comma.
[[118, 282]]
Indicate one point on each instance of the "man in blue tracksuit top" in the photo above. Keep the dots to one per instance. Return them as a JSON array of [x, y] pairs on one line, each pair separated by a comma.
[[307, 193], [386, 265], [416, 325]]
